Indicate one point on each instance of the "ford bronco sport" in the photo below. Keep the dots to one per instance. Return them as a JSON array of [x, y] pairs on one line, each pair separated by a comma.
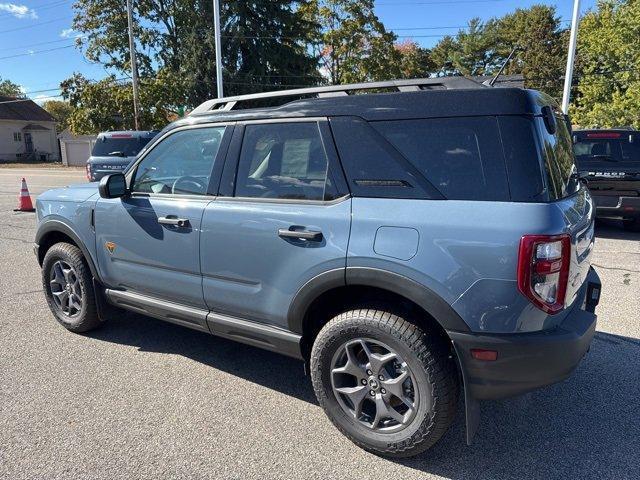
[[425, 241], [610, 162]]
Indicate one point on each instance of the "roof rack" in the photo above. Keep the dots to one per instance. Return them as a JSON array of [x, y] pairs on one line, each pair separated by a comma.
[[442, 83]]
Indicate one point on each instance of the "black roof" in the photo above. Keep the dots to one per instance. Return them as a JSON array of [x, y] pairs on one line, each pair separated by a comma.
[[394, 106], [23, 109]]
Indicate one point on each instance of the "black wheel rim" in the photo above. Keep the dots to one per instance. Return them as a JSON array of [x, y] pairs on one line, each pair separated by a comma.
[[65, 289], [374, 385]]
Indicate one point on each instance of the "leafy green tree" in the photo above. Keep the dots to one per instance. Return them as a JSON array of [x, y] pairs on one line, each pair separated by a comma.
[[352, 42], [415, 61], [264, 42], [61, 111], [607, 90], [482, 48], [108, 104], [10, 89], [543, 42]]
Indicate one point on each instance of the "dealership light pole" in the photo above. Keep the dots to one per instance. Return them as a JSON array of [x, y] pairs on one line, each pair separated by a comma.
[[134, 68], [568, 77], [216, 27]]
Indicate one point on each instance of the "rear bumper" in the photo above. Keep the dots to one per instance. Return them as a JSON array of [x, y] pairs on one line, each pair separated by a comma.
[[527, 361], [617, 206]]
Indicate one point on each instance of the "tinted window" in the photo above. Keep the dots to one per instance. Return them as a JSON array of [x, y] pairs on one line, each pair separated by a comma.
[[599, 151], [283, 160], [119, 147], [373, 166], [462, 157], [521, 156], [180, 164], [559, 161]]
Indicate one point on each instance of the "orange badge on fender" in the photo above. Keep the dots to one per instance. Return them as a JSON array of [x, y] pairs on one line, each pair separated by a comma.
[[110, 246]]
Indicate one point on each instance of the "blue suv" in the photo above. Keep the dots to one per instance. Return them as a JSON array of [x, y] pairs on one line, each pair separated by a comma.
[[427, 241]]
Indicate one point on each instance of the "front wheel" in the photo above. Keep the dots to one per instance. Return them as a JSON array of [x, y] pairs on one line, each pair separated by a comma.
[[386, 384], [68, 288]]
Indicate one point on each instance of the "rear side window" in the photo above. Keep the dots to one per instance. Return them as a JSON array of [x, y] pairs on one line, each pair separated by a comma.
[[557, 150], [462, 157], [284, 161]]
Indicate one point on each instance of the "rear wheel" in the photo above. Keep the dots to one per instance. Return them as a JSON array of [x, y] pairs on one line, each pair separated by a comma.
[[68, 288], [632, 224], [386, 384]]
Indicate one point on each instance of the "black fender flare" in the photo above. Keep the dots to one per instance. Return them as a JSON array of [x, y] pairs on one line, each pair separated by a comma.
[[57, 226], [422, 296]]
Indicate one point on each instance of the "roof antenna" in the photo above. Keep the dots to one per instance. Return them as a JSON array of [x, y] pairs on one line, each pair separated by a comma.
[[491, 83]]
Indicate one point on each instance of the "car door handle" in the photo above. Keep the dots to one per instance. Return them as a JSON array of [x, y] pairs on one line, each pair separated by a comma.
[[174, 221], [311, 235]]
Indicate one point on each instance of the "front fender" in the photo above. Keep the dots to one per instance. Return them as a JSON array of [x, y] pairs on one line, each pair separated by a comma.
[[54, 225]]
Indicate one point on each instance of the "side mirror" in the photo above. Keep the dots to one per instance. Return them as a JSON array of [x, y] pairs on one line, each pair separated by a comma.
[[112, 186]]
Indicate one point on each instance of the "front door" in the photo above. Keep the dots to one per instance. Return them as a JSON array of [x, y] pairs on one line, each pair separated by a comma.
[[28, 142], [148, 241], [284, 221]]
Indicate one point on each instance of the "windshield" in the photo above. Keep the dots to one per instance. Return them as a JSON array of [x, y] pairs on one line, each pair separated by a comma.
[[601, 151], [119, 147]]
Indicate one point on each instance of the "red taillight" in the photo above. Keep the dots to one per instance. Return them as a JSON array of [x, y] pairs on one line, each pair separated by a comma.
[[543, 270]]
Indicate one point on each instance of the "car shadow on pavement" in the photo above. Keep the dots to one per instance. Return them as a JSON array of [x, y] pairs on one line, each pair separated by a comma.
[[613, 229], [259, 366], [584, 427]]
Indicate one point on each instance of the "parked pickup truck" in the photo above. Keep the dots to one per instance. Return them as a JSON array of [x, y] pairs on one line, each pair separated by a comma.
[[411, 246], [610, 161]]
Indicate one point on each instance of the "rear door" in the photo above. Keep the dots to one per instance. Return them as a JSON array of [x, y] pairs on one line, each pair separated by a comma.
[[282, 218], [148, 241]]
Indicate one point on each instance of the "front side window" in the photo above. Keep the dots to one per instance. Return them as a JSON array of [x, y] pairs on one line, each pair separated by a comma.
[[283, 161], [180, 164]]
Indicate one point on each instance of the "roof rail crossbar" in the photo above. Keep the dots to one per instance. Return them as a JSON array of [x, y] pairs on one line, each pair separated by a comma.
[[229, 103]]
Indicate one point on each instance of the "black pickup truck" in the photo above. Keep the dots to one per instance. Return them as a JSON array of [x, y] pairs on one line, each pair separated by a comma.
[[610, 161]]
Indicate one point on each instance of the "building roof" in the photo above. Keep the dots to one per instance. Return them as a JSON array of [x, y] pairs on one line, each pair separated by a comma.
[[23, 109]]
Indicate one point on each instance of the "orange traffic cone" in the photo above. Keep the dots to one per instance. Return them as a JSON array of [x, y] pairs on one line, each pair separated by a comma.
[[24, 199]]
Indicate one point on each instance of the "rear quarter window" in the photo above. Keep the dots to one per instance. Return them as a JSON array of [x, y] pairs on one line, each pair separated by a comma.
[[557, 151], [462, 157]]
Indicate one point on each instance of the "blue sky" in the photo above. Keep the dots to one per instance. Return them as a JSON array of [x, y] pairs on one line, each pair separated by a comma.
[[36, 41]]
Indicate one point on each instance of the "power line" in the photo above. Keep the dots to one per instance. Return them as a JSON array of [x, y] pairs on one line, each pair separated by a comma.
[[36, 44], [45, 6], [35, 52], [37, 24]]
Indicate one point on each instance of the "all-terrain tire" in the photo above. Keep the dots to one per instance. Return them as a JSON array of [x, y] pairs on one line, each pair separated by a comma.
[[85, 318], [427, 355]]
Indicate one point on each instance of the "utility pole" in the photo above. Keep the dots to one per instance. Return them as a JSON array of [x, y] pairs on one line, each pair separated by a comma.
[[568, 77], [134, 68], [216, 27]]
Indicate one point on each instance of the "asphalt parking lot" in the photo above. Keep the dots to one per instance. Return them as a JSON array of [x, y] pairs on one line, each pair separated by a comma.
[[143, 399]]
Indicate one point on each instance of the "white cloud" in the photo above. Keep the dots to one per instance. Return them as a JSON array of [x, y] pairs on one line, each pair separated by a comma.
[[67, 33], [31, 52], [40, 99], [18, 11]]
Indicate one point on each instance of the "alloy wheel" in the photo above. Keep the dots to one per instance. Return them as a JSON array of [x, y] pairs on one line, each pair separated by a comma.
[[65, 288], [374, 385]]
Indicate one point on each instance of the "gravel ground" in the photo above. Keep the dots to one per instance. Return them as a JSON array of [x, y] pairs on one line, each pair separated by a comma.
[[143, 399]]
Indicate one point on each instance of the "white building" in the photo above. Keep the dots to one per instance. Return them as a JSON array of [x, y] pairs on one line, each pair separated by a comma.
[[27, 131]]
